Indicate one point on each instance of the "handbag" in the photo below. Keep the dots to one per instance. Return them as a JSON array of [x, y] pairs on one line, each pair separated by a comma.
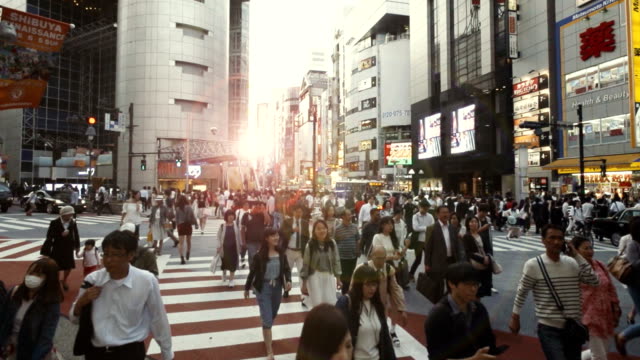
[[620, 268], [402, 273], [495, 267], [573, 328], [429, 288], [82, 342]]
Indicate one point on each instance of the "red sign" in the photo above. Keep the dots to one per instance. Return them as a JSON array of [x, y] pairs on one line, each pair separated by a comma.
[[596, 40], [530, 86], [25, 62]]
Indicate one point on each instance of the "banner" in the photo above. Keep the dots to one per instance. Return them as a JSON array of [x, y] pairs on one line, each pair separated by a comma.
[[25, 62], [633, 36]]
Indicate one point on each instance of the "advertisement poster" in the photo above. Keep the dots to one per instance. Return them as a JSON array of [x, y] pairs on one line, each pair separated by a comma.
[[633, 33], [25, 62], [429, 140], [463, 132], [397, 153]]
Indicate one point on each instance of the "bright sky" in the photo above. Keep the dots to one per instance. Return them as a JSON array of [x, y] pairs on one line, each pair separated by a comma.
[[283, 34]]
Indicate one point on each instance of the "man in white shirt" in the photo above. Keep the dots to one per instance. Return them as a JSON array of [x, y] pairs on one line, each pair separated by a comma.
[[271, 203], [309, 200], [365, 212], [125, 305], [587, 208], [421, 221]]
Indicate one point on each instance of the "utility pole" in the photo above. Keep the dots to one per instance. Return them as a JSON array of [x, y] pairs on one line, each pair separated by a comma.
[[581, 145], [131, 126]]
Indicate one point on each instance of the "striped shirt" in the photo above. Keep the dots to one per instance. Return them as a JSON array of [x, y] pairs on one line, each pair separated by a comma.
[[346, 238], [566, 276]]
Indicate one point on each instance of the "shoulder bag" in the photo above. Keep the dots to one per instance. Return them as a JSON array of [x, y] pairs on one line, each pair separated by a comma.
[[82, 343], [620, 268], [573, 328]]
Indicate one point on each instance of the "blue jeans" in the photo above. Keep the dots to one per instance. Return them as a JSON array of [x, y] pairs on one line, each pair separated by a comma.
[[556, 346], [633, 331], [269, 302]]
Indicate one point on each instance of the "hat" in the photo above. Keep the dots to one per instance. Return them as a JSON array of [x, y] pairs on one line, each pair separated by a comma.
[[67, 210], [128, 227]]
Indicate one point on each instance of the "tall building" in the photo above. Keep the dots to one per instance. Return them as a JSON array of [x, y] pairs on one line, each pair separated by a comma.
[[312, 115], [238, 69], [286, 108], [377, 117], [461, 106]]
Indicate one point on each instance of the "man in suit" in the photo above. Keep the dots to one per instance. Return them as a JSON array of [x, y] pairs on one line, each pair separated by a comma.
[[294, 235], [442, 248]]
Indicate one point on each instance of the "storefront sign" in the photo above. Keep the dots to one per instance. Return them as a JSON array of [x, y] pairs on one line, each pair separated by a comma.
[[534, 158], [530, 86], [531, 104], [368, 124], [397, 153], [582, 2], [367, 83], [531, 141], [600, 99], [542, 117], [26, 62], [367, 63], [633, 33], [512, 5], [596, 40], [195, 171], [365, 145]]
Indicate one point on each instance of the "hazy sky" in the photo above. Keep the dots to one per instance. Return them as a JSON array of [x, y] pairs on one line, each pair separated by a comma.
[[282, 36]]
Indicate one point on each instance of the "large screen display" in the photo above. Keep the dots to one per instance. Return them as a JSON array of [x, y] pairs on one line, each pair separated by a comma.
[[463, 133], [397, 153], [429, 137]]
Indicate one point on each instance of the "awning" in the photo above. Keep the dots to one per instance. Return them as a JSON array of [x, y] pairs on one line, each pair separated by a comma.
[[620, 162]]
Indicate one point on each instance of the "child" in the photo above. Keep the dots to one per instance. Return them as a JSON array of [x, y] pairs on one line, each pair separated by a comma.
[[91, 259]]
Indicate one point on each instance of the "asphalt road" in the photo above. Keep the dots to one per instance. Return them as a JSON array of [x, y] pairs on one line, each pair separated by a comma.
[[26, 233]]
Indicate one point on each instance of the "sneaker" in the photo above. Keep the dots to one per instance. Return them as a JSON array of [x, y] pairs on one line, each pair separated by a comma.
[[302, 302], [231, 284], [224, 278], [395, 340]]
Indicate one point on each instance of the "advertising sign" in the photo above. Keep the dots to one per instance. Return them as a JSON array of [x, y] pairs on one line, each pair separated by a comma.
[[530, 86], [397, 153], [542, 117], [367, 63], [512, 27], [531, 104], [367, 83], [633, 33], [531, 141], [429, 138], [463, 125], [25, 62], [534, 158], [368, 103]]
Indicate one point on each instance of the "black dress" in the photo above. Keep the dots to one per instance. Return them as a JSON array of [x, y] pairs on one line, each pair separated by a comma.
[[61, 248], [230, 257]]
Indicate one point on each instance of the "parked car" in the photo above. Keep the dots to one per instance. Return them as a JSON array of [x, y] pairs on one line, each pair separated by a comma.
[[614, 227], [6, 199], [51, 203]]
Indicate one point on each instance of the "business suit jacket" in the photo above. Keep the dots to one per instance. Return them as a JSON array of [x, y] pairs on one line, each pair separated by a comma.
[[435, 248], [287, 230]]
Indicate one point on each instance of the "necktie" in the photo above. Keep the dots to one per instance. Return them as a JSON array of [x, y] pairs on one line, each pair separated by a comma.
[[298, 234]]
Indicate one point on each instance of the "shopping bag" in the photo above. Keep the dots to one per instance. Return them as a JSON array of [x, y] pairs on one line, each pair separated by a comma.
[[150, 237], [215, 262]]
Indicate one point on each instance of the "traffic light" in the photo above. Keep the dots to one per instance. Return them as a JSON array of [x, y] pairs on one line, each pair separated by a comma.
[[91, 120], [143, 163], [179, 161]]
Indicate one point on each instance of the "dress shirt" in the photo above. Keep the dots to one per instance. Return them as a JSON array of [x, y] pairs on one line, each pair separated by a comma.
[[365, 213], [447, 240], [420, 224], [127, 309], [587, 210], [294, 244]]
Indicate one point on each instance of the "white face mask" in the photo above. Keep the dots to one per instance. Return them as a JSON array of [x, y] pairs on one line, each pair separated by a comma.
[[32, 281]]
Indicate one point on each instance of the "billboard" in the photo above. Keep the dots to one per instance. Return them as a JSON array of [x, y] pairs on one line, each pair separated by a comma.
[[397, 153], [463, 130], [429, 137], [530, 86], [633, 34], [25, 62]]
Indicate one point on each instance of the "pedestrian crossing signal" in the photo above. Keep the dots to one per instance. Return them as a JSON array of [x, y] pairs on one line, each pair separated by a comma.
[[143, 164], [179, 162]]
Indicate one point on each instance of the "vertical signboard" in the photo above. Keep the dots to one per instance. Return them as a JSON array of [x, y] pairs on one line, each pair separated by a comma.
[[25, 61], [633, 35]]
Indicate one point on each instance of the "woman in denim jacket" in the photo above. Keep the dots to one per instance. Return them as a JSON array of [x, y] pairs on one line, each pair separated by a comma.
[[30, 316]]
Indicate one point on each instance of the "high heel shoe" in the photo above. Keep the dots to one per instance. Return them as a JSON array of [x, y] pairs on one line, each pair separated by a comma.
[[182, 262]]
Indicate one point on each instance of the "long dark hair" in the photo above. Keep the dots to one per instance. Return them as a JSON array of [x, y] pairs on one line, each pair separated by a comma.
[[50, 292], [314, 243], [394, 239], [263, 252], [362, 275], [322, 334], [181, 202]]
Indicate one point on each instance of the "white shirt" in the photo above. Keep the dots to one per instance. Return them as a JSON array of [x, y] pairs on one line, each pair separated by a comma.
[[309, 200], [616, 206], [17, 321], [271, 204], [368, 333], [421, 223], [297, 223], [622, 246], [74, 197], [365, 213], [587, 210], [144, 193], [133, 213], [383, 240], [127, 310], [447, 239], [90, 257]]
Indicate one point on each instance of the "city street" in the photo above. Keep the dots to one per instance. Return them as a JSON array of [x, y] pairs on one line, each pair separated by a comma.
[[208, 319]]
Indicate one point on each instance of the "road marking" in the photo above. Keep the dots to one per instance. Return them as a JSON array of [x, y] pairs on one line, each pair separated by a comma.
[[14, 227], [20, 249]]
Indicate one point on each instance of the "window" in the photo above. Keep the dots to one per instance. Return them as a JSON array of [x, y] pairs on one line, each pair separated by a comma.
[[613, 129], [611, 73], [191, 105], [236, 40], [192, 31], [192, 68], [368, 124]]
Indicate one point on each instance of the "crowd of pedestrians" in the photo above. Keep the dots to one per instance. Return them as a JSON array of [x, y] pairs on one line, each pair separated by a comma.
[[355, 308]]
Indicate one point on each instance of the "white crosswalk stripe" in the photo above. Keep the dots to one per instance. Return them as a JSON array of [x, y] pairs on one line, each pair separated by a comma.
[[534, 243], [201, 310], [13, 223]]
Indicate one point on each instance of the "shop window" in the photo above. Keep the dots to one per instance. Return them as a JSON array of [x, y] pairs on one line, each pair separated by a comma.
[[613, 129], [611, 73], [591, 134]]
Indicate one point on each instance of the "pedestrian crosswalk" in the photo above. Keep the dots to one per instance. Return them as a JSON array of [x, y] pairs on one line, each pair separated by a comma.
[[20, 223], [534, 243], [211, 321]]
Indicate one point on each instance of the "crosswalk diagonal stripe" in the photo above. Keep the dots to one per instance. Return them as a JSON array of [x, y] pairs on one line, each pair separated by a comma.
[[38, 225], [204, 284], [194, 298], [13, 226], [19, 249]]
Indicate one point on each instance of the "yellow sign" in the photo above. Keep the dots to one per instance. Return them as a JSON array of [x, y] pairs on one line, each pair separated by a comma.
[[633, 34], [595, 169]]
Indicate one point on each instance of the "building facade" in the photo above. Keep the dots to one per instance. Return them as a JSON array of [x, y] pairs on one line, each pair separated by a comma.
[[461, 106], [376, 52], [238, 69], [286, 108], [312, 115]]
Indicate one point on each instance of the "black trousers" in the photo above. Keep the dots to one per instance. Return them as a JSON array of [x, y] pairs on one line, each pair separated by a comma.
[[418, 259], [132, 351], [348, 266]]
